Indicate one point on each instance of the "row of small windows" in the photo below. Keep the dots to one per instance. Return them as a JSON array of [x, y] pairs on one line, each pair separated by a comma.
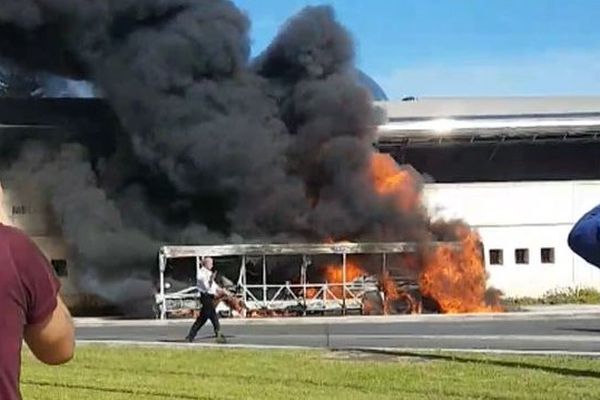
[[522, 256]]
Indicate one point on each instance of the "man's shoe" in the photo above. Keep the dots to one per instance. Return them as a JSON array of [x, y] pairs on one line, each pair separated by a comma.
[[189, 339], [220, 338]]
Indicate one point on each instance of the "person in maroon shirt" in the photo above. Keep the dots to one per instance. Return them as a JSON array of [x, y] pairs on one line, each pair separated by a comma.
[[30, 309]]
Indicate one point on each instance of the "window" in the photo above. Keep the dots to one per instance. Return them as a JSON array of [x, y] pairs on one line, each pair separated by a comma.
[[496, 257], [522, 256], [19, 210], [547, 255], [60, 267]]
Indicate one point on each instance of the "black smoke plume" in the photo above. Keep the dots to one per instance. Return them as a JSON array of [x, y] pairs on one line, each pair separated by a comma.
[[216, 147]]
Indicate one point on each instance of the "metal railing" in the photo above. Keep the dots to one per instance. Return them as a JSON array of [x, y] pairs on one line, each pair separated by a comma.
[[311, 297]]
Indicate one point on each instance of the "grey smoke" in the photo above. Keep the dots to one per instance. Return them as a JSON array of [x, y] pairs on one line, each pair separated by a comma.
[[90, 221], [277, 149]]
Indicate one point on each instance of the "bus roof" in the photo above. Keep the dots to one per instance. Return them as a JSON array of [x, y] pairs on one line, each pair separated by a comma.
[[289, 249]]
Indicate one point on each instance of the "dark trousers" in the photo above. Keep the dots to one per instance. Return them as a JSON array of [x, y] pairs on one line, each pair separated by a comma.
[[207, 312]]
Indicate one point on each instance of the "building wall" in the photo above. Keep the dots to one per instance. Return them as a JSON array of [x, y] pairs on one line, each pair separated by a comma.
[[531, 216], [22, 206]]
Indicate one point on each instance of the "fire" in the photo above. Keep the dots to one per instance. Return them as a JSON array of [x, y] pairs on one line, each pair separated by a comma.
[[453, 274], [334, 273], [391, 180], [392, 294], [311, 293], [455, 277]]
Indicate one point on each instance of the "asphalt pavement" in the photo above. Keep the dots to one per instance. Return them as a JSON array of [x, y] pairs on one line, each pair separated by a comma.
[[558, 329]]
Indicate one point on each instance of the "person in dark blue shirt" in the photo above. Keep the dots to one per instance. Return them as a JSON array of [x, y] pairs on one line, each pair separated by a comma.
[[584, 238]]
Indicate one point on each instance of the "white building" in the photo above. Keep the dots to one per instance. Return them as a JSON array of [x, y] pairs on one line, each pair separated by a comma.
[[22, 206], [524, 228], [522, 205]]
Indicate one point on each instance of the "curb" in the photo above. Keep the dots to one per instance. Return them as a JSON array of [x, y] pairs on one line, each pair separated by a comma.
[[404, 351]]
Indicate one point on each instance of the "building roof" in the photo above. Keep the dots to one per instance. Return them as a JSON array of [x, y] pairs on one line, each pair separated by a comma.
[[482, 107], [437, 121]]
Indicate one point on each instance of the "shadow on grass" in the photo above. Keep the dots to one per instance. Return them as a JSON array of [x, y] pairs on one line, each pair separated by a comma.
[[104, 389], [266, 379], [224, 374], [578, 373], [237, 378]]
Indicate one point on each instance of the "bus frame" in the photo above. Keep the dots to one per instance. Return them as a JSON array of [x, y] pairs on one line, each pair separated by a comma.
[[310, 297]]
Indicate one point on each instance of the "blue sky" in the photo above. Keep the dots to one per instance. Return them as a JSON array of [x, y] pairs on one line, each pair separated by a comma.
[[462, 47]]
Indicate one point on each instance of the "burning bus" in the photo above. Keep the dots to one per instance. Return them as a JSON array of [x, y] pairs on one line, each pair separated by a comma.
[[299, 279]]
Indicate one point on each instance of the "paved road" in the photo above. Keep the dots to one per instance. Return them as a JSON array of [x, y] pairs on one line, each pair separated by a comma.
[[537, 332]]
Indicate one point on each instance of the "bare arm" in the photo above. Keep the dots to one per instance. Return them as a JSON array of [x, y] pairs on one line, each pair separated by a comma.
[[52, 340], [48, 328]]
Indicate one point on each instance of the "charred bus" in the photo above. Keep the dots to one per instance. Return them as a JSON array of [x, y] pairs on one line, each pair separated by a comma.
[[292, 279]]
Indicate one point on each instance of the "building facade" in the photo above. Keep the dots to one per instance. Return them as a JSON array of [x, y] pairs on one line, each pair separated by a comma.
[[521, 171], [22, 206], [524, 228]]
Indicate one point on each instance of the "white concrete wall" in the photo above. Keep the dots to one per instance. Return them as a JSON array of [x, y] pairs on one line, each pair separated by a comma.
[[25, 209], [523, 215]]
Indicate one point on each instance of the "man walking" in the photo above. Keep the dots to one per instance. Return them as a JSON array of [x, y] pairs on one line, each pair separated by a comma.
[[208, 291]]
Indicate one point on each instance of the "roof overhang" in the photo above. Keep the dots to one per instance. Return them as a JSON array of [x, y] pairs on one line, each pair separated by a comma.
[[489, 120], [506, 130]]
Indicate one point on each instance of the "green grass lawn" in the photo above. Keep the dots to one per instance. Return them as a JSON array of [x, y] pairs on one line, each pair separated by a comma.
[[560, 296], [99, 372]]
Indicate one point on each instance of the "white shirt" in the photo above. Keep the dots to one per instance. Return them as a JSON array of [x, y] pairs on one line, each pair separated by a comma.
[[205, 281]]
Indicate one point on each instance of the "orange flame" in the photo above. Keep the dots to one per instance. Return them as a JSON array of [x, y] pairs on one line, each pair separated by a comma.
[[456, 278], [334, 274], [392, 294], [391, 180], [311, 293]]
